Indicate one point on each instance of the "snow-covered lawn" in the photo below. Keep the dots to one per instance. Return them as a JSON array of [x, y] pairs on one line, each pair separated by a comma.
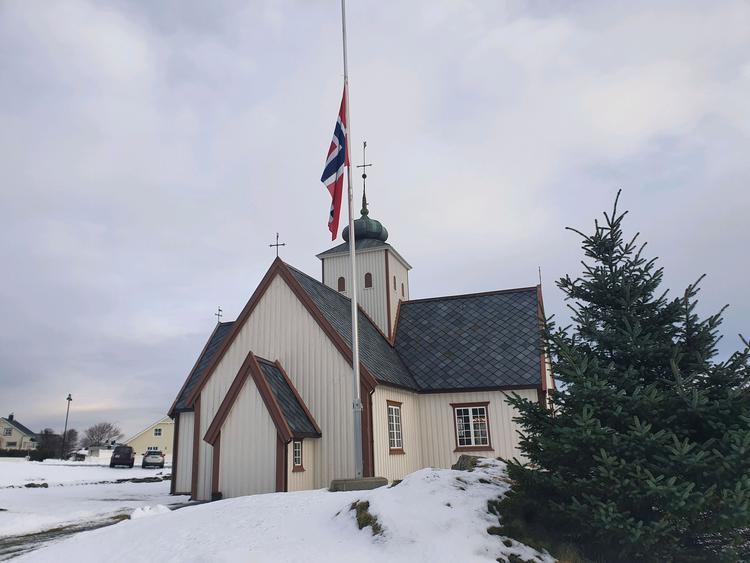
[[15, 472], [434, 515], [76, 494]]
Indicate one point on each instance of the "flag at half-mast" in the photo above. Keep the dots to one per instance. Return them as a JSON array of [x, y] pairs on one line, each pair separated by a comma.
[[333, 173]]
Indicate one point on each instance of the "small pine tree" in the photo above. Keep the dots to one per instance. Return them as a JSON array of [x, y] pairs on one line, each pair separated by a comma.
[[645, 454]]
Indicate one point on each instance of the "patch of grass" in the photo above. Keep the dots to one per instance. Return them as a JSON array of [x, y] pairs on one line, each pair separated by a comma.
[[365, 517]]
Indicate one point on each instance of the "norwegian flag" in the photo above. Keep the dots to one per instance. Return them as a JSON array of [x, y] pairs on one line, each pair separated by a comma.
[[333, 173]]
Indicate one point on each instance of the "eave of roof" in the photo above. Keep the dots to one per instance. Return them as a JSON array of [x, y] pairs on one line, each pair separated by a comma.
[[20, 427], [365, 245]]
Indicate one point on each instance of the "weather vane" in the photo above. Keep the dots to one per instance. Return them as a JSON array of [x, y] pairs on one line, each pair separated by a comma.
[[364, 167], [277, 245]]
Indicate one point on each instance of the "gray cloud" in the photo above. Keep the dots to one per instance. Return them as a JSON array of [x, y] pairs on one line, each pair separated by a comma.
[[150, 151]]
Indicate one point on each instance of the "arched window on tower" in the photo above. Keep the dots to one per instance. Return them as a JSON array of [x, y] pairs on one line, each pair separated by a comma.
[[402, 291], [368, 280], [394, 283], [342, 284]]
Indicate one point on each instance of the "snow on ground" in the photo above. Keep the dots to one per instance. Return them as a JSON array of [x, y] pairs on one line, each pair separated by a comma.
[[434, 515], [18, 472], [75, 493]]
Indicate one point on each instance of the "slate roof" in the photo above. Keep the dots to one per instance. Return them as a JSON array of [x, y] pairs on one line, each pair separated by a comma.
[[213, 344], [473, 341], [295, 415], [375, 352], [20, 427]]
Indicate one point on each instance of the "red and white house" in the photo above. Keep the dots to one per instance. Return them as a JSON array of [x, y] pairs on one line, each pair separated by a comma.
[[267, 406]]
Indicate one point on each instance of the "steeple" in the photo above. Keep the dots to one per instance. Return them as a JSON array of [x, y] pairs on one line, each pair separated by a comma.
[[364, 227]]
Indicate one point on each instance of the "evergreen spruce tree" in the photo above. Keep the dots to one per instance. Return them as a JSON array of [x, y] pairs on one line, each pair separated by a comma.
[[645, 452]]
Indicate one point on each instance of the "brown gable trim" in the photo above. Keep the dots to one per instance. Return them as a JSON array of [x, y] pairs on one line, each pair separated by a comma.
[[388, 294], [195, 366], [274, 409], [334, 336], [542, 320], [279, 267], [281, 465], [368, 441], [298, 396], [237, 327], [215, 463], [225, 407], [175, 455], [196, 445]]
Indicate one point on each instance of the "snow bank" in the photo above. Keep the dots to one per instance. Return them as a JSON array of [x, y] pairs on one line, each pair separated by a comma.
[[146, 511], [433, 515]]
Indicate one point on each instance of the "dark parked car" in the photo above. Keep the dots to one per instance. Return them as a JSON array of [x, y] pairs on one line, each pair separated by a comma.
[[122, 455], [153, 458]]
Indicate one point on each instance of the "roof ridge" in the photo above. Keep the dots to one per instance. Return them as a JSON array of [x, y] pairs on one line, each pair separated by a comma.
[[471, 295]]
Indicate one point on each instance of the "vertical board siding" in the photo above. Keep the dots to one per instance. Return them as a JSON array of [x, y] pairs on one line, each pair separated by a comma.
[[398, 465], [281, 328], [397, 269], [184, 453], [438, 426], [248, 458], [302, 480], [372, 300]]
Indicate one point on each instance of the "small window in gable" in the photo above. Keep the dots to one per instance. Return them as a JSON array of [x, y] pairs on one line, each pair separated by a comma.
[[368, 280], [342, 284], [7, 432], [157, 431], [297, 456]]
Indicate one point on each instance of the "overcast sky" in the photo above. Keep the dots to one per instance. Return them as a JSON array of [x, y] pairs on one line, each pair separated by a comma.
[[150, 150]]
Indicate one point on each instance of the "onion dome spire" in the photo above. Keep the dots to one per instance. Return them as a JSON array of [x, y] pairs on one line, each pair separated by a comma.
[[364, 227]]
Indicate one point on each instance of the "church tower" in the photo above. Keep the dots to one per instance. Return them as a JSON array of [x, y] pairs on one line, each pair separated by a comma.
[[383, 273]]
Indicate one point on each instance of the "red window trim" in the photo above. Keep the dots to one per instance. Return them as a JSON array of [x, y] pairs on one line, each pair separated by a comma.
[[486, 448], [395, 451]]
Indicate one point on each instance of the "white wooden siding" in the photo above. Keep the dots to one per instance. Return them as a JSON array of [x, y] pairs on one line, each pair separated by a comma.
[[372, 300], [396, 466], [248, 446], [438, 426], [397, 269], [281, 328], [302, 480], [184, 453]]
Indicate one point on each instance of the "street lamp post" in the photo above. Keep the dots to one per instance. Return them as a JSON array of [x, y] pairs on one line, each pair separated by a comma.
[[67, 412]]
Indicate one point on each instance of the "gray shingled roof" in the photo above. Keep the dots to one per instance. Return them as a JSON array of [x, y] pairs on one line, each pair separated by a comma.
[[213, 344], [20, 427], [362, 244], [473, 341], [294, 413], [376, 353]]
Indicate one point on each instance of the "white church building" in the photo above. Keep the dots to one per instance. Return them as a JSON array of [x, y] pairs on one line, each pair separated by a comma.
[[268, 405]]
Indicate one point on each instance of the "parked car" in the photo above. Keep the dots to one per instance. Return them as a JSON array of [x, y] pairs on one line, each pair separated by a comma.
[[122, 455], [153, 458]]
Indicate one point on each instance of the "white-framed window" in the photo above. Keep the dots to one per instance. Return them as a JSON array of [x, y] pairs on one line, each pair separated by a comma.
[[395, 437], [472, 428], [12, 444], [152, 449], [157, 431], [7, 431], [297, 453]]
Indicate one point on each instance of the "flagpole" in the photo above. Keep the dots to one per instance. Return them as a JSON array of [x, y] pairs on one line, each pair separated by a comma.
[[357, 400]]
